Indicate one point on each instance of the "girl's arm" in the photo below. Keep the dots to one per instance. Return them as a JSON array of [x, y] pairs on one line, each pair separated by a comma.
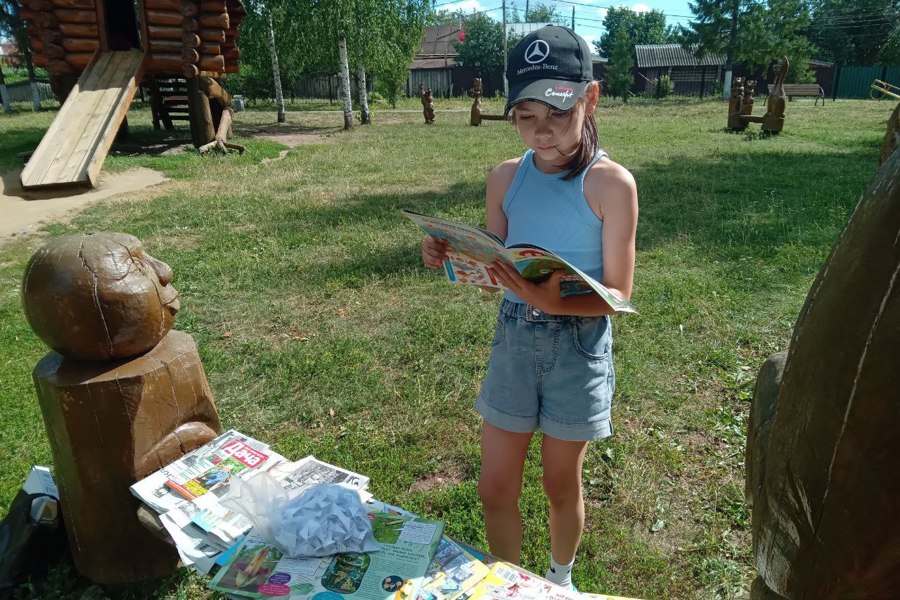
[[498, 183], [612, 194]]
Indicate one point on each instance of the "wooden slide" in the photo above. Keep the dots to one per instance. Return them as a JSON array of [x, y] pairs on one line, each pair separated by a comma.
[[74, 148]]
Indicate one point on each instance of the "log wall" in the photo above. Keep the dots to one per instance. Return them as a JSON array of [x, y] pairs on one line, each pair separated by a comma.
[[191, 37]]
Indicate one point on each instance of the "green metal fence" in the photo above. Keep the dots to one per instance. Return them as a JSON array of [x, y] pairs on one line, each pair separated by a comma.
[[855, 82]]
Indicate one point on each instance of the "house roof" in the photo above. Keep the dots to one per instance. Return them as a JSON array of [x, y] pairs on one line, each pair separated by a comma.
[[672, 55], [423, 62], [438, 40]]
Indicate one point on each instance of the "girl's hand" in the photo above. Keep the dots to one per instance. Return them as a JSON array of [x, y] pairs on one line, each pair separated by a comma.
[[434, 251], [543, 296]]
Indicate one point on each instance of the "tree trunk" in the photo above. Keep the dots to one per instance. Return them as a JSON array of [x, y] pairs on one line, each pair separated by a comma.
[[276, 74], [202, 130], [345, 82], [364, 116], [4, 94], [732, 42]]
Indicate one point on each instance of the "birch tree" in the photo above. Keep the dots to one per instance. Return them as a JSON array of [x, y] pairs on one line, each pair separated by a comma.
[[365, 116], [345, 80], [276, 74]]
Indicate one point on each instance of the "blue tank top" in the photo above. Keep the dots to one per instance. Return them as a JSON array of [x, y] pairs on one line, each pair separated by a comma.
[[548, 211]]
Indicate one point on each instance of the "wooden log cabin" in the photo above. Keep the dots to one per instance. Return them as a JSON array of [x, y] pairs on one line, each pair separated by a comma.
[[99, 51]]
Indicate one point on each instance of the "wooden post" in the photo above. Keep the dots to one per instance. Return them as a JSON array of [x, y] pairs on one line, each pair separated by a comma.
[[202, 130]]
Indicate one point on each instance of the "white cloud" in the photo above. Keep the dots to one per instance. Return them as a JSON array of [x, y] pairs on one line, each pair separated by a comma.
[[603, 12], [641, 8], [589, 38], [466, 6]]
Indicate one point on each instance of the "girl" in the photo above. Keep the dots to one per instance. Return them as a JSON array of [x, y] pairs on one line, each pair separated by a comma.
[[550, 367]]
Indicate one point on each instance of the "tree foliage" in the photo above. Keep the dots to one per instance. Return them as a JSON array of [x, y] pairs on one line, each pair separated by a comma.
[[383, 35], [543, 12], [620, 72], [483, 43], [750, 32], [640, 28], [857, 32]]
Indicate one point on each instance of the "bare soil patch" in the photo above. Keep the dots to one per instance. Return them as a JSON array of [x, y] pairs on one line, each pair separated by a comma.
[[26, 211]]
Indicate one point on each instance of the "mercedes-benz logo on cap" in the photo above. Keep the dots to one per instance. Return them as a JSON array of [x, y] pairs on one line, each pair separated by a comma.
[[536, 52]]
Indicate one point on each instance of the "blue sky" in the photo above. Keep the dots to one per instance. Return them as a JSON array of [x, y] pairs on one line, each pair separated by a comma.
[[588, 13]]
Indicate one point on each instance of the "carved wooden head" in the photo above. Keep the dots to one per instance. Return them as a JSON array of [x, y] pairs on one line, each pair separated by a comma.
[[98, 296]]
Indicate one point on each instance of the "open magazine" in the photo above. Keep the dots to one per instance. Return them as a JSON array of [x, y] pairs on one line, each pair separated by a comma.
[[259, 570], [472, 249]]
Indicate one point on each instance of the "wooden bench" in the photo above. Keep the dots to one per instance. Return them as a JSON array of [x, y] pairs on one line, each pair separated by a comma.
[[811, 90]]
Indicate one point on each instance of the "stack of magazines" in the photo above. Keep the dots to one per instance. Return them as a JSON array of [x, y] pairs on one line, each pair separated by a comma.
[[186, 493]]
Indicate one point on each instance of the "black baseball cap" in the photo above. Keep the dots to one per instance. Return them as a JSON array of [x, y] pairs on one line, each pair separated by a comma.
[[550, 65]]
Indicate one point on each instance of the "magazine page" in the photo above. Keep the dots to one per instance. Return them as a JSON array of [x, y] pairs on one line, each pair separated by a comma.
[[259, 570], [210, 467], [537, 264], [452, 572], [162, 490], [471, 249], [509, 582], [301, 475]]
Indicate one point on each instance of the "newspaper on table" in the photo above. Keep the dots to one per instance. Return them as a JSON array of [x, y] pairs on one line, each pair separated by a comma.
[[452, 572], [259, 570]]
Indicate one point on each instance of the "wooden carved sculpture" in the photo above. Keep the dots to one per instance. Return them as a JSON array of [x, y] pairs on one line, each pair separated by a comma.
[[734, 105], [891, 137], [428, 107], [773, 120], [740, 106], [122, 395], [475, 113], [822, 441]]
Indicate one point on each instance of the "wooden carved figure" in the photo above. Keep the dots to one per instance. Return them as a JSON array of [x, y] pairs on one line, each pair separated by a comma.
[[773, 120], [122, 394], [747, 97], [822, 441], [734, 105], [428, 107], [475, 113]]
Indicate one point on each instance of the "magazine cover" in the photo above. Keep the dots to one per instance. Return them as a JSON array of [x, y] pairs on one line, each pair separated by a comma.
[[452, 572], [168, 488], [259, 570], [472, 249]]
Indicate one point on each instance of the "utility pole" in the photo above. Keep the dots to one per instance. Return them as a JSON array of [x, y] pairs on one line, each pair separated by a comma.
[[526, 12], [573, 18], [505, 80]]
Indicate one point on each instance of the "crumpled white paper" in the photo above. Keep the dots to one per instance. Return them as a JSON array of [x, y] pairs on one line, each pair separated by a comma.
[[325, 519]]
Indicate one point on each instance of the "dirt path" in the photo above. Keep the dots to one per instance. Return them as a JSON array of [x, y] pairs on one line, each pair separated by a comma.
[[24, 212]]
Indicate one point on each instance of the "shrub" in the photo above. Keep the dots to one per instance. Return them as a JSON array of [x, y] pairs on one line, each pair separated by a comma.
[[664, 86]]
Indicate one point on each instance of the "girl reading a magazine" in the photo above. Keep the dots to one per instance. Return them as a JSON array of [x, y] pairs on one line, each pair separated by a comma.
[[551, 362]]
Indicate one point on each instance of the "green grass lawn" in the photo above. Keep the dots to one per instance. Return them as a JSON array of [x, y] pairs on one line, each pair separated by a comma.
[[321, 332]]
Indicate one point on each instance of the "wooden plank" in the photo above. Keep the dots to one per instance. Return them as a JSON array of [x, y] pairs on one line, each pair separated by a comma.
[[132, 74], [103, 99], [50, 145], [76, 126]]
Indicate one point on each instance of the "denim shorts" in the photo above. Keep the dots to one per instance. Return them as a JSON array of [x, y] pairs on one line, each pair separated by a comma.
[[549, 372]]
